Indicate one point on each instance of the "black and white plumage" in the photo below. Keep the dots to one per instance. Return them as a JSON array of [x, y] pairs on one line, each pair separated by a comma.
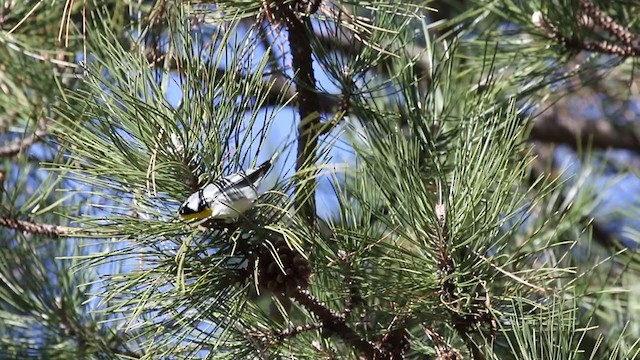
[[226, 198]]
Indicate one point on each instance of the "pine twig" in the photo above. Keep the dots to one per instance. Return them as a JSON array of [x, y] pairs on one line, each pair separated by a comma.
[[606, 22], [603, 47], [336, 323], [575, 43], [353, 299], [50, 230], [35, 228], [443, 349], [462, 323], [343, 106], [295, 331]]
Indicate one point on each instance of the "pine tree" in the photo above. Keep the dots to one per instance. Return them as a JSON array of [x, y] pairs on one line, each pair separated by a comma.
[[454, 233]]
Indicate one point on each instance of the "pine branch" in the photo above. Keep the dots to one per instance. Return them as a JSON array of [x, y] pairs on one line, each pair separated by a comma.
[[35, 228], [603, 47], [309, 110], [555, 128], [626, 49], [50, 230], [19, 145], [86, 335], [295, 331], [605, 21], [462, 323], [336, 323]]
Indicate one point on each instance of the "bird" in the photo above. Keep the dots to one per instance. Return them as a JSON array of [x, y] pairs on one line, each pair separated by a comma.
[[227, 198]]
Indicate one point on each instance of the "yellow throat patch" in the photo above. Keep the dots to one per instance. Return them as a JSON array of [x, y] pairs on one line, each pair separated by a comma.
[[199, 215]]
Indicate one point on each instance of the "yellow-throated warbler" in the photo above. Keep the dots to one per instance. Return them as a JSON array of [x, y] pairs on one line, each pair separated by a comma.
[[226, 198]]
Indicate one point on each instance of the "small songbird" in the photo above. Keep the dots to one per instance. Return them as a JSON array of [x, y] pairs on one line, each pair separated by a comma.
[[226, 198]]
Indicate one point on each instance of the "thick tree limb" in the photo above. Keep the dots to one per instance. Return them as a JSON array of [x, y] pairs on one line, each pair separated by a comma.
[[307, 99], [339, 326], [555, 128]]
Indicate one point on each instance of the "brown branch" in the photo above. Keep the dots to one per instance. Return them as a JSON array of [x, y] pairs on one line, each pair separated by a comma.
[[295, 331], [443, 349], [606, 22], [36, 228], [626, 49], [603, 47], [339, 326], [281, 90], [550, 127], [18, 145], [308, 104]]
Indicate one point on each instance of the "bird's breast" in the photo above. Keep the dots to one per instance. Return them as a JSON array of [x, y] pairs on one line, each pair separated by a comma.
[[221, 210]]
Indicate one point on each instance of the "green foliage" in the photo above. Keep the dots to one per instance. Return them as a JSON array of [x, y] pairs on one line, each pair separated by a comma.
[[445, 241]]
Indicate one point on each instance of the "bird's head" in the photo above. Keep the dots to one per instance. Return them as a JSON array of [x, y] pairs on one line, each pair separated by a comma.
[[195, 207]]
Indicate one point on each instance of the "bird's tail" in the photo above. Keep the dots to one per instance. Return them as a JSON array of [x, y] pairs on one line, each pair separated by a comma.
[[257, 173]]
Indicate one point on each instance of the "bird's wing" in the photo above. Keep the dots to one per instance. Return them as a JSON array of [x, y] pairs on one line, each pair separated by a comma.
[[241, 185]]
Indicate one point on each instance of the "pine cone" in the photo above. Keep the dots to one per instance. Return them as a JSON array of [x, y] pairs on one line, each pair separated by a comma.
[[445, 353], [396, 343], [294, 272]]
